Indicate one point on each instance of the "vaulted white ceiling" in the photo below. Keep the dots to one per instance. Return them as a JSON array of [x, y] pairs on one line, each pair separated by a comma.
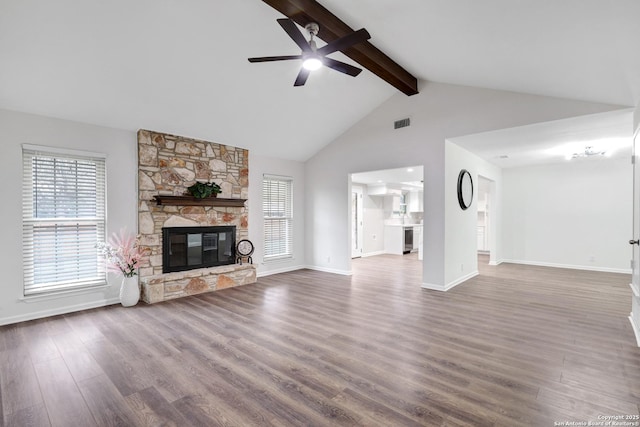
[[180, 66], [556, 141]]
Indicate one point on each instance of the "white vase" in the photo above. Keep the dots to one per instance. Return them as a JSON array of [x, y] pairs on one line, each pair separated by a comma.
[[129, 291]]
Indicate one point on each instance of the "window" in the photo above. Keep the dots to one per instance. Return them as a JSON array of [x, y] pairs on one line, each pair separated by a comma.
[[277, 207], [63, 217]]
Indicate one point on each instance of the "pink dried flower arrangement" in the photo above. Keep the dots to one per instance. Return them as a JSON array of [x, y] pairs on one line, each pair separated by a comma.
[[123, 253]]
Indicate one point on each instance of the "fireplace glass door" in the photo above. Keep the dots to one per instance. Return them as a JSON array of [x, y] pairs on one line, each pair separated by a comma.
[[187, 248]]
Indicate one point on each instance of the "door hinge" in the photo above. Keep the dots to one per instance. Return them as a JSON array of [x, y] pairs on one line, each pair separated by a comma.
[[633, 159]]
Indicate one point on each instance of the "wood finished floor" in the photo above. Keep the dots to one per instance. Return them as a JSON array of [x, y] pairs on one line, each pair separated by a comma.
[[515, 346]]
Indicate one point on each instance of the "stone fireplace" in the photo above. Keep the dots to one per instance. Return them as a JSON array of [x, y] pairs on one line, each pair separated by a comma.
[[167, 166]]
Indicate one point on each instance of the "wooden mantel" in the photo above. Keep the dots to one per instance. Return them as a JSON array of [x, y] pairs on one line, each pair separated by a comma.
[[192, 201]]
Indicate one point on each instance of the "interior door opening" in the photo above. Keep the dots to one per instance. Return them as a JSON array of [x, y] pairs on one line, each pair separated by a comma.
[[485, 212], [386, 213], [356, 221], [634, 317]]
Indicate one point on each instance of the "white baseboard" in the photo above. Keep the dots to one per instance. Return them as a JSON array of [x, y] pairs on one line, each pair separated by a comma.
[[330, 270], [368, 254], [279, 270], [634, 326], [433, 287], [635, 290], [494, 263], [57, 311], [461, 280], [444, 288], [569, 266]]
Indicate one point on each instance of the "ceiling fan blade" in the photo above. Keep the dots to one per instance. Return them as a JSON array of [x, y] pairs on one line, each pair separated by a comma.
[[290, 28], [303, 75], [274, 58], [345, 42], [342, 67]]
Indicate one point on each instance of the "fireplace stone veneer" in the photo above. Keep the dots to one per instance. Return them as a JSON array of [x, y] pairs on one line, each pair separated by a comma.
[[167, 166], [164, 287]]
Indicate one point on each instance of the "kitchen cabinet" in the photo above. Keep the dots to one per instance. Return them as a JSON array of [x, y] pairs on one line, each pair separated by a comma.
[[415, 201], [394, 239], [420, 244], [396, 201], [382, 190], [417, 236]]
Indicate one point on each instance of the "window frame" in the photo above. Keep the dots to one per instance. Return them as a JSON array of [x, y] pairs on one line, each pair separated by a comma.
[[287, 217], [90, 218]]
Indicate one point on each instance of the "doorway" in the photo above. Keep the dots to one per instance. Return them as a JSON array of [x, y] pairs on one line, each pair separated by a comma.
[[486, 223], [634, 317], [356, 221], [383, 205]]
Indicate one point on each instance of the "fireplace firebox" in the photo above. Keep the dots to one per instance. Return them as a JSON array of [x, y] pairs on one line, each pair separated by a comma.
[[188, 248]]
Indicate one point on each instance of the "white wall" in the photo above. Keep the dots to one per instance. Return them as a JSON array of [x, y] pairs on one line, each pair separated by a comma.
[[576, 214], [461, 226], [438, 112], [258, 166], [120, 148]]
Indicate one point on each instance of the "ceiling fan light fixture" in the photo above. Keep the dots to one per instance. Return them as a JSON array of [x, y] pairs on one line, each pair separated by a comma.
[[312, 57], [589, 151], [312, 63]]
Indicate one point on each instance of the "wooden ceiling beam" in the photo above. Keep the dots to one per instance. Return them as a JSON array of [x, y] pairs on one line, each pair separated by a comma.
[[331, 28]]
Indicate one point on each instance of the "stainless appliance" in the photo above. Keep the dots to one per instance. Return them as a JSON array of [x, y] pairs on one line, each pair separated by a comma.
[[408, 240]]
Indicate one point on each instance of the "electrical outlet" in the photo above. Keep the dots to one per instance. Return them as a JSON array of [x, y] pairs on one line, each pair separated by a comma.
[[328, 259], [461, 267], [374, 237]]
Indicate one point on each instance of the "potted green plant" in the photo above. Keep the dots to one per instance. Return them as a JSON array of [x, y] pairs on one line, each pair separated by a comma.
[[202, 190]]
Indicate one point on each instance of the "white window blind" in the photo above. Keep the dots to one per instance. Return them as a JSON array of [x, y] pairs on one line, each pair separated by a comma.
[[277, 206], [63, 217]]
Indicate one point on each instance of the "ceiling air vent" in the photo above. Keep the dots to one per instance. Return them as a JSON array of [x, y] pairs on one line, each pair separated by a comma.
[[403, 123]]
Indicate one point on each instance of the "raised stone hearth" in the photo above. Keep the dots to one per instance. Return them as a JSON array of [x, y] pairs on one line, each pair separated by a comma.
[[167, 166], [168, 286]]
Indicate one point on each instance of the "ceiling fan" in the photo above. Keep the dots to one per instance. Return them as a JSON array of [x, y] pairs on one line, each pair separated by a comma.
[[314, 57]]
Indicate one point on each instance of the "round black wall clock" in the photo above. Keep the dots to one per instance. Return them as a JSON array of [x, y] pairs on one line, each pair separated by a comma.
[[465, 189]]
